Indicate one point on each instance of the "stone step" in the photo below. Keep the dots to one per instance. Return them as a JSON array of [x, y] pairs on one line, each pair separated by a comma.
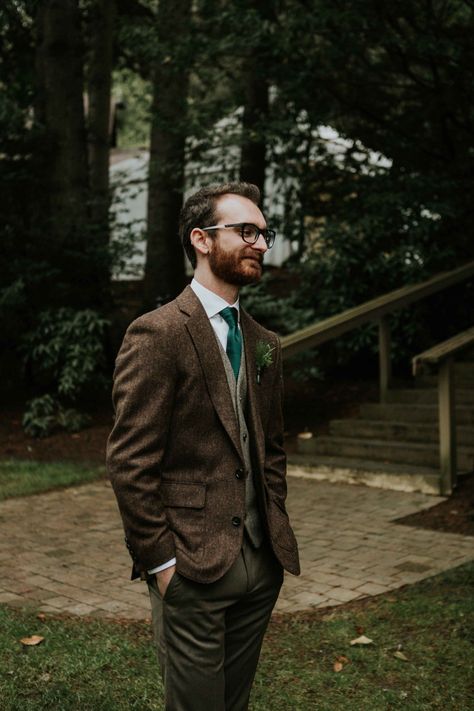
[[395, 430], [398, 477], [426, 396], [413, 413], [465, 366], [462, 380], [414, 453]]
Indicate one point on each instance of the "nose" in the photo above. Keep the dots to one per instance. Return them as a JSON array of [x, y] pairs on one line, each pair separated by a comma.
[[260, 245]]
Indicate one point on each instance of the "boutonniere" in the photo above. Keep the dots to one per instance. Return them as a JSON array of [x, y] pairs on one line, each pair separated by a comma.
[[263, 357]]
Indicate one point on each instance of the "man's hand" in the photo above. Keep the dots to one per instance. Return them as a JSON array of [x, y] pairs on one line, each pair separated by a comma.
[[163, 579]]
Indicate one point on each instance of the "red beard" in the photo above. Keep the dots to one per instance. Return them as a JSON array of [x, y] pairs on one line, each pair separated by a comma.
[[236, 268]]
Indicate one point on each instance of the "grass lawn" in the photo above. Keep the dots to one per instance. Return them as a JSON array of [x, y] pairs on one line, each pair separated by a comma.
[[22, 478], [94, 665]]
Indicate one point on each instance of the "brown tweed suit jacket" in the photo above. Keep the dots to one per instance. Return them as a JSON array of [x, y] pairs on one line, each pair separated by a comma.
[[174, 455]]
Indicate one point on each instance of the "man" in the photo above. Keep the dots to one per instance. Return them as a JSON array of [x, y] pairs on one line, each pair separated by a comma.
[[197, 463]]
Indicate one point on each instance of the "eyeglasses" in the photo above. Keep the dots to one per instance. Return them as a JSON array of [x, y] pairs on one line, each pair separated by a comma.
[[249, 233]]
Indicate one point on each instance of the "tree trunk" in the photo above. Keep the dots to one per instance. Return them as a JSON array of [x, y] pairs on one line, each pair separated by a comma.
[[253, 161], [253, 156], [164, 271], [60, 110], [99, 80]]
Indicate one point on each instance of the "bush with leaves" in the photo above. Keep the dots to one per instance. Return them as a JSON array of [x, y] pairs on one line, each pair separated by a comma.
[[387, 231], [283, 314], [45, 414], [379, 237], [66, 352]]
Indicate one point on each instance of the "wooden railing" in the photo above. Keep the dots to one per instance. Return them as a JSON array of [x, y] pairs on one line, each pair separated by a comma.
[[442, 357], [377, 310]]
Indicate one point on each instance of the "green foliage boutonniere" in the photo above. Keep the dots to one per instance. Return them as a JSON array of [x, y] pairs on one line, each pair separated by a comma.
[[263, 357]]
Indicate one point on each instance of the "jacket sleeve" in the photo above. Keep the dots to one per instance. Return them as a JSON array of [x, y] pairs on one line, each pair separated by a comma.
[[275, 457], [143, 396]]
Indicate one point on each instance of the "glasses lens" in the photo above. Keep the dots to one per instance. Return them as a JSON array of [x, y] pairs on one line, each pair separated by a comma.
[[249, 233], [269, 236]]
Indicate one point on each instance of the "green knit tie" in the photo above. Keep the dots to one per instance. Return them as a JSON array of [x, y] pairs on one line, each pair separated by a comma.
[[234, 339]]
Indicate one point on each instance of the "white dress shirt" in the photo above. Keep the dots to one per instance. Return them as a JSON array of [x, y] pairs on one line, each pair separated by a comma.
[[212, 304]]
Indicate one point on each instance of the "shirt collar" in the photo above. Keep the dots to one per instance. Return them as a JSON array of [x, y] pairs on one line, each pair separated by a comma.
[[212, 302]]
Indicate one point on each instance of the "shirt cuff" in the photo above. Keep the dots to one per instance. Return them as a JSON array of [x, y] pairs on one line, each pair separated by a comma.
[[163, 566]]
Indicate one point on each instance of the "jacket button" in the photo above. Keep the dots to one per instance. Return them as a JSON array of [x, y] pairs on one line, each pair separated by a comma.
[[236, 521], [239, 473]]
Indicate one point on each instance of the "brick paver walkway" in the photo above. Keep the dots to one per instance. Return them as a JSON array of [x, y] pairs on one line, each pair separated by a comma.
[[64, 551]]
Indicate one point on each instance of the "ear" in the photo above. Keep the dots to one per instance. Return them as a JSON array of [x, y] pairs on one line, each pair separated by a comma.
[[200, 241]]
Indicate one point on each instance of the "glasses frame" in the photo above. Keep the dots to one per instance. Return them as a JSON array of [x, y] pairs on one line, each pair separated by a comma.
[[267, 234]]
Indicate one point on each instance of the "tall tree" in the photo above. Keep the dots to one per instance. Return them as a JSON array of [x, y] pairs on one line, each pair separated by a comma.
[[164, 271], [59, 110], [256, 72], [253, 147], [99, 81], [398, 77]]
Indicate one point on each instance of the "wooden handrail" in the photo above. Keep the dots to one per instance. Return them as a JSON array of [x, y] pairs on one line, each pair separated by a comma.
[[372, 310], [447, 349], [442, 356], [378, 309]]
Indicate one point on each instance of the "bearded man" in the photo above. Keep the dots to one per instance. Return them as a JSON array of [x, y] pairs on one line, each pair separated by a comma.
[[197, 463]]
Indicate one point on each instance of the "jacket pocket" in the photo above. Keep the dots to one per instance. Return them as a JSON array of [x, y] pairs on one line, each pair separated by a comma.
[[281, 531], [184, 503], [184, 494]]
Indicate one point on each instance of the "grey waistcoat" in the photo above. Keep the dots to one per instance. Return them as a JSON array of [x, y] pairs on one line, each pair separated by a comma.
[[238, 390]]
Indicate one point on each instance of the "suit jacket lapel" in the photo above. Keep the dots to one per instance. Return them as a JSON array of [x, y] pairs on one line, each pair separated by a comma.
[[254, 420], [210, 358]]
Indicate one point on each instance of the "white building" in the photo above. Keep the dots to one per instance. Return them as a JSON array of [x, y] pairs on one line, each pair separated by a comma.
[[129, 173]]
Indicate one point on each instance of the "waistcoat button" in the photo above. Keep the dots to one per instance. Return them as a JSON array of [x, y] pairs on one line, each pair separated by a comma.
[[239, 473], [236, 521]]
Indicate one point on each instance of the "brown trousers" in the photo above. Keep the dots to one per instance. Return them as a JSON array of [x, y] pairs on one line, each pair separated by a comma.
[[208, 636]]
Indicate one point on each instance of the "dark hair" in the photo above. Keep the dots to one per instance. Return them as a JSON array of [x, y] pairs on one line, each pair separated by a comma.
[[199, 209]]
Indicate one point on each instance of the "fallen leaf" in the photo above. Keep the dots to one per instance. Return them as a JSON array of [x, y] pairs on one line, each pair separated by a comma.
[[360, 630], [305, 435], [41, 616], [400, 655], [362, 640], [339, 663], [32, 641], [45, 677]]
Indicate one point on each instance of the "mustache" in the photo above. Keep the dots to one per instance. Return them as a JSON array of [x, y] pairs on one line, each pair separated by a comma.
[[253, 255]]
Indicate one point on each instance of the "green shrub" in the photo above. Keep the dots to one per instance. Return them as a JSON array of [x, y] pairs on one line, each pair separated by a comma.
[[66, 354], [283, 314], [45, 414], [40, 416], [382, 232]]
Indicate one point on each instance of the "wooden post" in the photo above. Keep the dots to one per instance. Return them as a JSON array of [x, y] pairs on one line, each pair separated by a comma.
[[385, 365], [447, 426]]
